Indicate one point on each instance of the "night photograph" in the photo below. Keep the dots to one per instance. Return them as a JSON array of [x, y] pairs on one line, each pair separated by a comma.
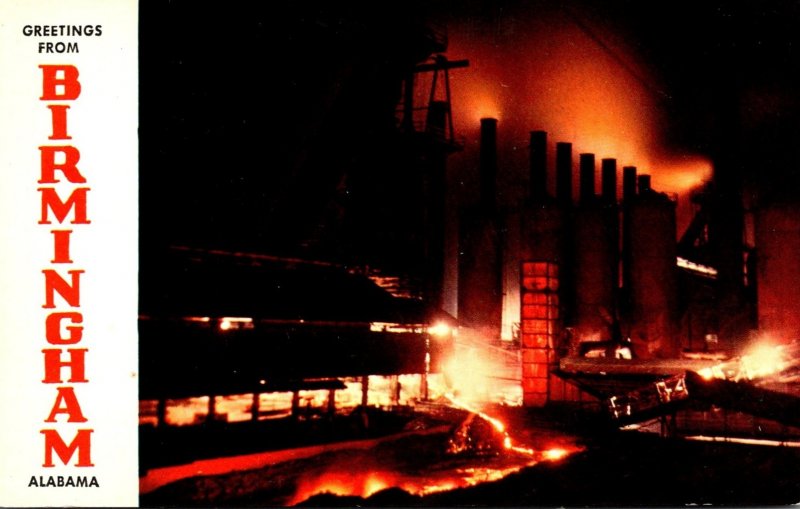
[[493, 253]]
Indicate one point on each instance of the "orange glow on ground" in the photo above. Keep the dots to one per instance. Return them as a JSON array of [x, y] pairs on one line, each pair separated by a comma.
[[350, 481], [551, 454], [365, 484], [359, 480], [343, 484]]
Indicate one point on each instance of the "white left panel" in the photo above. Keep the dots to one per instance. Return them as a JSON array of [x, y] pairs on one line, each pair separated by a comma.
[[90, 300]]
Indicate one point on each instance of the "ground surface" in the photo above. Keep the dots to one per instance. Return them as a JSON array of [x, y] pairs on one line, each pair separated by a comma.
[[613, 469]]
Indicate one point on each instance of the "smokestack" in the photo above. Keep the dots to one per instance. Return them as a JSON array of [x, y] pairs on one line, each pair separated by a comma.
[[628, 183], [538, 161], [644, 184], [653, 319], [586, 178], [628, 198], [564, 173], [609, 181], [488, 163]]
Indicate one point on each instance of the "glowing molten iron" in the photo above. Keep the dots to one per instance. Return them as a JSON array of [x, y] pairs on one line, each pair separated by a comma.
[[555, 454], [368, 483], [343, 484], [365, 484], [349, 481], [478, 449]]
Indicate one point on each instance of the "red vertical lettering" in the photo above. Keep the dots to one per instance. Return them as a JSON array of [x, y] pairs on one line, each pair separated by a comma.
[[53, 363], [58, 114], [61, 246], [53, 328], [54, 283], [69, 167], [81, 443], [60, 82], [66, 403], [52, 202]]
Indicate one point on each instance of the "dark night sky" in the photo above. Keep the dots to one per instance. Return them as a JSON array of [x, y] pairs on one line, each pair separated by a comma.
[[255, 119]]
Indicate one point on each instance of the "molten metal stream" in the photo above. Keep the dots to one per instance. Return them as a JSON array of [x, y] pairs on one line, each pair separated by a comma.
[[351, 481]]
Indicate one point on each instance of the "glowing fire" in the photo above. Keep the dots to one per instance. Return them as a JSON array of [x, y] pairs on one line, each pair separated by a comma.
[[707, 373], [552, 454], [346, 482], [440, 329], [352, 481], [760, 360], [478, 372], [368, 483], [469, 373], [555, 454], [763, 360], [343, 484]]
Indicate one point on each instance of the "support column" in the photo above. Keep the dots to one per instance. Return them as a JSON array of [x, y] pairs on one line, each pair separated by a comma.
[[331, 402], [255, 406], [161, 412], [212, 409], [540, 318], [295, 404], [364, 390]]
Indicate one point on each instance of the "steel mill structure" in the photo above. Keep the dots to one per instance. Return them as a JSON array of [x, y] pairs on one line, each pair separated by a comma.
[[582, 292], [606, 285], [569, 258]]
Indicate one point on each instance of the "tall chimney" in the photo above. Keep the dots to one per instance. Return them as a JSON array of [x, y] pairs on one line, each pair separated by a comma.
[[628, 199], [488, 163], [587, 169], [628, 183], [564, 172], [653, 291], [538, 161], [609, 181], [644, 184]]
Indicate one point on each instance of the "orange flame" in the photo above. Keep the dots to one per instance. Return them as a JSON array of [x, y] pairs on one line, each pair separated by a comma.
[[365, 484], [555, 454], [349, 481], [343, 483], [762, 359], [363, 480]]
